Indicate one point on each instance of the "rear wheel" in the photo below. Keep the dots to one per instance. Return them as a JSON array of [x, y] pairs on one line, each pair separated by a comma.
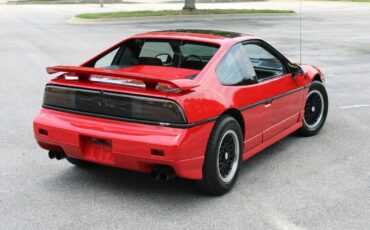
[[315, 111], [223, 157], [79, 163]]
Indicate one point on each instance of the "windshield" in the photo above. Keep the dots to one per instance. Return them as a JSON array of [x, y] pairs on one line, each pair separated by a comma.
[[157, 52]]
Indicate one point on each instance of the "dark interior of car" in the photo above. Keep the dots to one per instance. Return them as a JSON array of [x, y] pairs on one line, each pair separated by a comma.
[[173, 53]]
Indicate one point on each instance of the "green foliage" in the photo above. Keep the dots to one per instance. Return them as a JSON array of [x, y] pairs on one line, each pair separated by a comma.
[[124, 14]]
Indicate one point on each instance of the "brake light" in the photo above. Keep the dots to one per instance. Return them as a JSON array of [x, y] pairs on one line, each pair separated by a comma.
[[167, 88], [117, 81]]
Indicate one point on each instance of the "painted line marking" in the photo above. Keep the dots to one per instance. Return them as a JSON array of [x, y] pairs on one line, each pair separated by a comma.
[[354, 106]]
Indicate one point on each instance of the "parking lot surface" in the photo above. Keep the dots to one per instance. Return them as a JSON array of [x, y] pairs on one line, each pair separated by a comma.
[[321, 182]]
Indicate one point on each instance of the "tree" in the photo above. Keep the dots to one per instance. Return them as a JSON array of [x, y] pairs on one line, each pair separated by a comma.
[[189, 5]]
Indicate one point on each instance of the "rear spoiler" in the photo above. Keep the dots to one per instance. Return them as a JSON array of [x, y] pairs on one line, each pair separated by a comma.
[[150, 81]]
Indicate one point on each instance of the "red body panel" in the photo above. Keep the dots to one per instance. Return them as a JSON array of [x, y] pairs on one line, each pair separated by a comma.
[[271, 110], [131, 143]]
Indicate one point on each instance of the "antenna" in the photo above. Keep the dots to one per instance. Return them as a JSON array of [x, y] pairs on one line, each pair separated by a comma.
[[300, 32]]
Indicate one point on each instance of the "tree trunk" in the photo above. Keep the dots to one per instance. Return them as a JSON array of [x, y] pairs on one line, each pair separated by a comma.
[[189, 5]]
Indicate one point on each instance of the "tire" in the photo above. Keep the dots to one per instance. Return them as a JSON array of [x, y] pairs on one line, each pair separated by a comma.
[[79, 163], [221, 168], [316, 110]]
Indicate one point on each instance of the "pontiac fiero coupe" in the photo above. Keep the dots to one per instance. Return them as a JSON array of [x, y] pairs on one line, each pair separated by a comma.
[[190, 103]]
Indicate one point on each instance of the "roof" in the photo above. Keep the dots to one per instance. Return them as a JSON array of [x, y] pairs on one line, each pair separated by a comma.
[[215, 36], [219, 33]]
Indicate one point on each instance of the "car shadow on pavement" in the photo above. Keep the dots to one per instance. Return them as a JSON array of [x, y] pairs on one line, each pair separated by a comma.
[[101, 179]]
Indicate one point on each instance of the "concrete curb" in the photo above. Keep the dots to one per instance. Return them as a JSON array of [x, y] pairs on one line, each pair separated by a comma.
[[75, 20]]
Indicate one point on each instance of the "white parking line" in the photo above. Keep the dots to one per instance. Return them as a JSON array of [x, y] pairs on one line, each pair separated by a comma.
[[354, 106]]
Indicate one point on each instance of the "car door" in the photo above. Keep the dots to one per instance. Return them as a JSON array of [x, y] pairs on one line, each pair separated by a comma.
[[283, 93], [236, 73]]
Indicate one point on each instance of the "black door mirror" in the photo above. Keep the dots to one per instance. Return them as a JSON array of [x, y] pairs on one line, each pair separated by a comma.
[[295, 70]]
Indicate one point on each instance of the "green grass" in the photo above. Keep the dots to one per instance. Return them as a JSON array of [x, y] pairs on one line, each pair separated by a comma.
[[147, 13]]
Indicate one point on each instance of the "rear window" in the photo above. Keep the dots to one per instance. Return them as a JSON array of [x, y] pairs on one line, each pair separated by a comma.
[[158, 52], [154, 49], [198, 49]]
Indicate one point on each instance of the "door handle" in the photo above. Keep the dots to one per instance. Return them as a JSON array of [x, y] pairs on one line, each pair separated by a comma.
[[268, 101]]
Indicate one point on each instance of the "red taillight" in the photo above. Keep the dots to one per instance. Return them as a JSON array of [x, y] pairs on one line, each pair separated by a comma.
[[103, 103]]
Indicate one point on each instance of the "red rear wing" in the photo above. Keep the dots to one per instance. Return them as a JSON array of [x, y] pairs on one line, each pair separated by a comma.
[[149, 80]]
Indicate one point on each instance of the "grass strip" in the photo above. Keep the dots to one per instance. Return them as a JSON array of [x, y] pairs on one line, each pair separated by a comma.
[[147, 13]]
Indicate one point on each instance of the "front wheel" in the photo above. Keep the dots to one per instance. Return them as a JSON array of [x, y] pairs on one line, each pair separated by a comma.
[[223, 157], [315, 111]]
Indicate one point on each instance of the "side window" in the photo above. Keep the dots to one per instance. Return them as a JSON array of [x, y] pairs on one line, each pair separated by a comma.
[[235, 68], [264, 63], [106, 60]]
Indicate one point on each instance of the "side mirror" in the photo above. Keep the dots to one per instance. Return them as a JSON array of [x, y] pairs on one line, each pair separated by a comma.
[[295, 70]]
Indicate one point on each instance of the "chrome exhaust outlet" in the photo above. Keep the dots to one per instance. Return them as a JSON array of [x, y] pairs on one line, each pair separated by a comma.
[[162, 173], [166, 174], [51, 154], [59, 155], [154, 175]]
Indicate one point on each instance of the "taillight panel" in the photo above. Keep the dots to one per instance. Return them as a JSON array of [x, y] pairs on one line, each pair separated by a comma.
[[118, 105]]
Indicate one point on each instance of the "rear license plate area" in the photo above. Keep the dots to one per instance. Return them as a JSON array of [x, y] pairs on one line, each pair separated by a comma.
[[97, 149]]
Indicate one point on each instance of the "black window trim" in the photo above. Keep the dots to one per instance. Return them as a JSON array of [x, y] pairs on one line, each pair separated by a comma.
[[286, 63]]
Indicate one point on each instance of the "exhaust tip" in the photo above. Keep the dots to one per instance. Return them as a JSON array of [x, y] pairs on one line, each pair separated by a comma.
[[162, 173], [166, 174], [51, 154], [154, 175], [163, 177], [59, 155]]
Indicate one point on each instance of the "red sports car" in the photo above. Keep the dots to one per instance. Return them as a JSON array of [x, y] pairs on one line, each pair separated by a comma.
[[191, 103]]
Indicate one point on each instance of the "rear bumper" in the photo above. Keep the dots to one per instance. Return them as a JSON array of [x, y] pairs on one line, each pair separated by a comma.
[[123, 144]]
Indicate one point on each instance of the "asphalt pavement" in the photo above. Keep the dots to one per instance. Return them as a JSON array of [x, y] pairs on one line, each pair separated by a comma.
[[321, 182]]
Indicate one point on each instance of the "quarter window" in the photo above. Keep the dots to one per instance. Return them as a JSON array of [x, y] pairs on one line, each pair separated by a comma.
[[106, 60], [265, 64], [235, 67]]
